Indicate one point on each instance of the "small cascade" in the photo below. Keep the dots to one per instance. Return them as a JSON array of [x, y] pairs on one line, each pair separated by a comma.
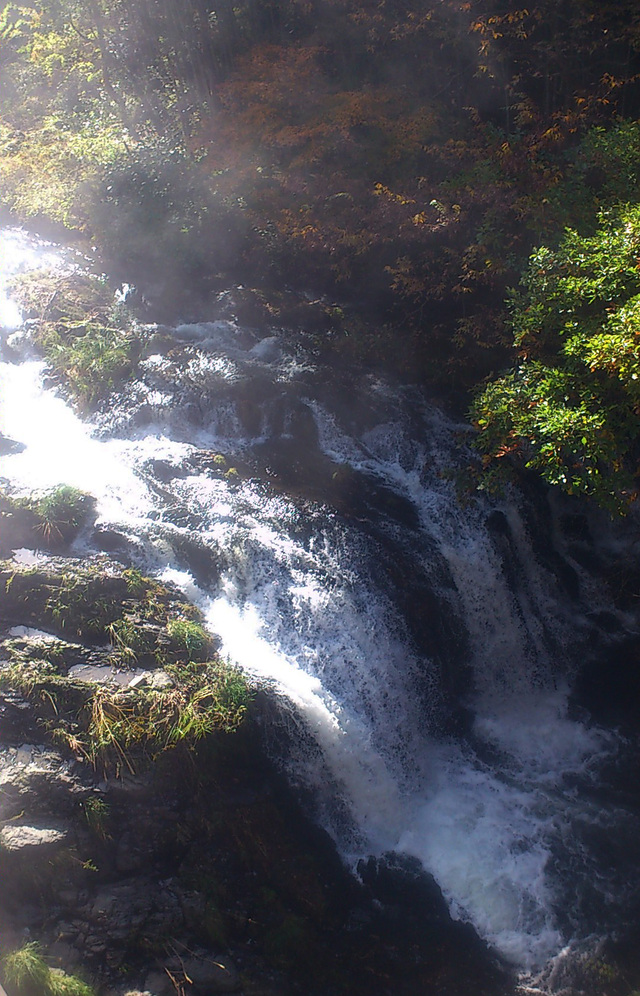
[[424, 648]]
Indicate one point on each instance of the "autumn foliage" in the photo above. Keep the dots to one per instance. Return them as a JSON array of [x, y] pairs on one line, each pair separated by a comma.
[[400, 158]]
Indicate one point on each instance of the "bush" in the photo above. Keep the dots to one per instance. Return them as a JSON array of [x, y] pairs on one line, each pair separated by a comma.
[[570, 408], [92, 342], [93, 359]]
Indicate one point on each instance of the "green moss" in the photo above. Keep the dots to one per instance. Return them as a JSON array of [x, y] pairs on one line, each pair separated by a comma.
[[92, 599], [76, 606], [21, 651]]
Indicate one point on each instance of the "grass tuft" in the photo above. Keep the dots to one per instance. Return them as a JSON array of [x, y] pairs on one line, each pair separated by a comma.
[[26, 973], [61, 511], [189, 639]]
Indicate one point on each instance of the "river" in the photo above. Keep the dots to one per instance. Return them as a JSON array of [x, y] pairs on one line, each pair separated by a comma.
[[425, 648]]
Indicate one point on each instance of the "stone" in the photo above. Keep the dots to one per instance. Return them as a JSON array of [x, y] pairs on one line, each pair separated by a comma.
[[160, 680], [63, 955], [140, 680], [129, 857], [33, 781], [18, 839]]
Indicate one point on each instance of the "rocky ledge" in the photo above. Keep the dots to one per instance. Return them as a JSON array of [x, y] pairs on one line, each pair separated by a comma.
[[147, 842]]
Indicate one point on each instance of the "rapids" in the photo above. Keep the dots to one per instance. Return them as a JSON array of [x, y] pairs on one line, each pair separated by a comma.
[[424, 648]]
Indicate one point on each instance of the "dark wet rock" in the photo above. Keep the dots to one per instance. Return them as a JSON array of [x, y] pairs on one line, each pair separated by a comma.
[[49, 520], [18, 526], [202, 560], [35, 779], [8, 446], [63, 955], [158, 984], [32, 645], [16, 718], [110, 540], [119, 909], [208, 973], [164, 471]]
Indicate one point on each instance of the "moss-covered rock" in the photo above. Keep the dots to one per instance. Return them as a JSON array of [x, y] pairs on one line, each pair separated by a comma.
[[116, 724], [95, 598], [89, 338], [48, 520]]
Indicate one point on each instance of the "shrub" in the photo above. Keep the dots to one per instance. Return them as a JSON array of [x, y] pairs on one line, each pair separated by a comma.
[[569, 409], [26, 970], [90, 340]]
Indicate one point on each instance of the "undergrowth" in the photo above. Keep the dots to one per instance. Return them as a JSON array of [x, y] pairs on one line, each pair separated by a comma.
[[89, 338], [26, 973], [115, 728]]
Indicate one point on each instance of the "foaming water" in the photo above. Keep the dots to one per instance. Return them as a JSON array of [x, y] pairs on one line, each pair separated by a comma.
[[311, 600]]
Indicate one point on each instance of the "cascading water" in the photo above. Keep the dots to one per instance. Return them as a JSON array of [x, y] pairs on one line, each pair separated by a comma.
[[422, 645]]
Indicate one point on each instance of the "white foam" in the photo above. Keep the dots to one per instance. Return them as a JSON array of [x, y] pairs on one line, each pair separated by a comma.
[[30, 633]]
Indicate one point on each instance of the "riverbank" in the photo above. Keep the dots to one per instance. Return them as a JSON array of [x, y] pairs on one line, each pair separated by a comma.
[[170, 866]]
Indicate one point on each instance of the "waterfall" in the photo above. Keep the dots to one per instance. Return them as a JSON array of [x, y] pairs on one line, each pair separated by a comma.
[[421, 643]]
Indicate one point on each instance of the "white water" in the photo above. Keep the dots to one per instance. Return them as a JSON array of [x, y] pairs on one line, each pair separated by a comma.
[[298, 605]]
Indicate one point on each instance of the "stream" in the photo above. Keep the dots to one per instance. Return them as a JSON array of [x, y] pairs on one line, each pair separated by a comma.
[[425, 648]]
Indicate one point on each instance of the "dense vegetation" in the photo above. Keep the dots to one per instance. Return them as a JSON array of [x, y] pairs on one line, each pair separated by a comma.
[[400, 158], [569, 408]]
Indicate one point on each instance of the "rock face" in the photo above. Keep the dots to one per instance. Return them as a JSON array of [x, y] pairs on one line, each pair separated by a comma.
[[83, 865], [191, 869]]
